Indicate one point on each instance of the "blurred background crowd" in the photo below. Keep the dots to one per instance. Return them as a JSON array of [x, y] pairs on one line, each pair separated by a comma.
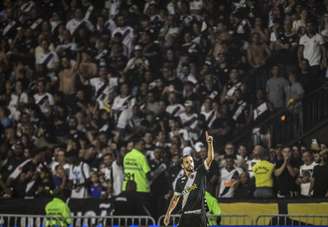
[[83, 82]]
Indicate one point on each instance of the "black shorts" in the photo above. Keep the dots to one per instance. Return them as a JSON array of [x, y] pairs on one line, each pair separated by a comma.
[[193, 220]]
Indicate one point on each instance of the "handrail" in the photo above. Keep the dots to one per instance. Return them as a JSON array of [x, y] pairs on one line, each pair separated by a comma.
[[291, 219], [247, 131], [231, 219], [86, 220], [227, 219]]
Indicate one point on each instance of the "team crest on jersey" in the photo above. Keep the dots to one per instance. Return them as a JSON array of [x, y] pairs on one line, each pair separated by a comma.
[[189, 189]]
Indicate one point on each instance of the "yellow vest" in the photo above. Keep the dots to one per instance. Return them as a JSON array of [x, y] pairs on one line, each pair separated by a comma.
[[59, 212], [263, 173]]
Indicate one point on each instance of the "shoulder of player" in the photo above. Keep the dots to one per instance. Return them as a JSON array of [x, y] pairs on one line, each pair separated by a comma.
[[182, 179]]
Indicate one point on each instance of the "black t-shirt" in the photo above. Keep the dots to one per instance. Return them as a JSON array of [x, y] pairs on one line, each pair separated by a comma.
[[192, 189], [160, 185], [285, 182], [320, 175]]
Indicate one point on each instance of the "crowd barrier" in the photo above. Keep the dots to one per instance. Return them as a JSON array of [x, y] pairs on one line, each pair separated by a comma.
[[13, 220], [290, 124], [224, 220], [292, 220], [93, 212]]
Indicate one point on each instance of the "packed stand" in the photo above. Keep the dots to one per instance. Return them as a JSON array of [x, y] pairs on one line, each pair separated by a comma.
[[81, 80]]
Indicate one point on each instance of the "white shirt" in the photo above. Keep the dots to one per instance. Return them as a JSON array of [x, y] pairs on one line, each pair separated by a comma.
[[209, 117], [97, 83], [50, 59], [45, 101], [128, 36], [118, 177], [312, 46], [14, 101], [177, 109], [226, 191], [120, 104], [191, 120], [73, 24], [79, 174], [306, 169]]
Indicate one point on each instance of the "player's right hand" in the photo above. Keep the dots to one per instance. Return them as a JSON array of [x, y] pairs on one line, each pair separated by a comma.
[[167, 219], [209, 138]]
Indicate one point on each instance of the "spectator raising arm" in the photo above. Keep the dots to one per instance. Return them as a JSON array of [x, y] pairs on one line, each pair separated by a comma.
[[280, 170]]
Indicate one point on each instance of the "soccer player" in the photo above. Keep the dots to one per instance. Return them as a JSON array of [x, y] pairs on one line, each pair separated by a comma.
[[191, 187]]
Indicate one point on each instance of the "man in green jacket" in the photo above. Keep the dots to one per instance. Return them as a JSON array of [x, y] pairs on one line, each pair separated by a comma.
[[58, 211]]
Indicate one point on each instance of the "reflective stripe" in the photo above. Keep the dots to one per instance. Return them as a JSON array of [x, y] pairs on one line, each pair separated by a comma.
[[186, 191], [193, 211]]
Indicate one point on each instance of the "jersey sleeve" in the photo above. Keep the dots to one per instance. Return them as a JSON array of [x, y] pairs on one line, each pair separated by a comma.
[[320, 40], [203, 169]]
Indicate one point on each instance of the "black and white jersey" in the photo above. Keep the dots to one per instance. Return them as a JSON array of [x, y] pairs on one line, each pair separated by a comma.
[[192, 189]]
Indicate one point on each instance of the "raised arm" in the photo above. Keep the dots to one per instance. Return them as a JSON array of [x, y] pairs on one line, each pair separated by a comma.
[[173, 203], [279, 170], [210, 150]]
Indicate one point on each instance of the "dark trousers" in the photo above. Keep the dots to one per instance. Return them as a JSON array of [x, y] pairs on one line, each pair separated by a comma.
[[193, 220]]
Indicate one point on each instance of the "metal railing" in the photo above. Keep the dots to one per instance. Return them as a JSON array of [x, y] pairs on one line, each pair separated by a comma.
[[289, 124], [292, 220], [12, 220], [224, 220], [17, 220]]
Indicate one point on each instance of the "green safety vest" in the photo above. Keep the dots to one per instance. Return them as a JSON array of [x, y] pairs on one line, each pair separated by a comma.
[[58, 208], [136, 167], [214, 208]]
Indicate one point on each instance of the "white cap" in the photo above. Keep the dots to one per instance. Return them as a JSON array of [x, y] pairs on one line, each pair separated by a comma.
[[198, 146], [186, 151]]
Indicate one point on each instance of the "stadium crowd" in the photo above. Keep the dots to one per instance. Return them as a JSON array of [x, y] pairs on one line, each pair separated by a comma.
[[84, 83]]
